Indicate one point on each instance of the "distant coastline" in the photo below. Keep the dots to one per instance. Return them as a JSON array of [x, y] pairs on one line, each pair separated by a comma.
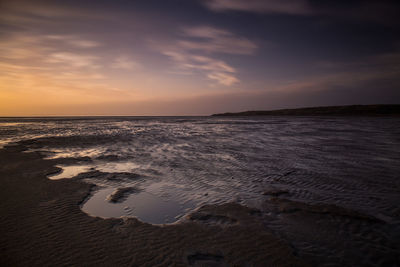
[[351, 110]]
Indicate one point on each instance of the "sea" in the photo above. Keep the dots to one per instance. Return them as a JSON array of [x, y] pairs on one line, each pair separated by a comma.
[[159, 169]]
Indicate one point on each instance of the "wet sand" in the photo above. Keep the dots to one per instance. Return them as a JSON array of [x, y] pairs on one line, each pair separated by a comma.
[[42, 224], [309, 199]]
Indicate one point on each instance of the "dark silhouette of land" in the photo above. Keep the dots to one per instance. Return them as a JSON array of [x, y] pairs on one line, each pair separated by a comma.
[[353, 110]]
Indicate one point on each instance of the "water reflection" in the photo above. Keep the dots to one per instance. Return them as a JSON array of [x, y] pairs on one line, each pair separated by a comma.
[[155, 204], [69, 171], [74, 153], [340, 161], [144, 205]]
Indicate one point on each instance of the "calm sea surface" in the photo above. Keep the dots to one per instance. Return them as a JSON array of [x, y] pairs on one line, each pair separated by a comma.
[[176, 164]]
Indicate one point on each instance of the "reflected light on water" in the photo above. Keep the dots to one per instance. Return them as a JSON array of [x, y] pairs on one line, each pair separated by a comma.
[[177, 161], [69, 172], [143, 205]]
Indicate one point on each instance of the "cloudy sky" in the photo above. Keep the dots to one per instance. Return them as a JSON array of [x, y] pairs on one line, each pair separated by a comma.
[[195, 57]]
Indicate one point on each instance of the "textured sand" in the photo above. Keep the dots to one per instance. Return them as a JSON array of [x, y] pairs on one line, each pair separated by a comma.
[[41, 224]]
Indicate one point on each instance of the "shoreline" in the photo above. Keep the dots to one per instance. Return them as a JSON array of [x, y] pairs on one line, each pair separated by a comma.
[[344, 111], [42, 224]]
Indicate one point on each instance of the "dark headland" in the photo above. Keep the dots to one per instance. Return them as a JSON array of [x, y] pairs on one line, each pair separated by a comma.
[[353, 110]]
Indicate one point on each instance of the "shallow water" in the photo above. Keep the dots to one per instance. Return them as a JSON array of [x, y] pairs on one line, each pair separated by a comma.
[[181, 163], [144, 205], [68, 171]]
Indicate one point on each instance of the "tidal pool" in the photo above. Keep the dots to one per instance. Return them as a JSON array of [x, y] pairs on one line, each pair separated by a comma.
[[143, 205]]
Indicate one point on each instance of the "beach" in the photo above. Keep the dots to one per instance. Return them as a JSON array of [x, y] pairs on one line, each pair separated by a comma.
[[44, 221], [42, 225]]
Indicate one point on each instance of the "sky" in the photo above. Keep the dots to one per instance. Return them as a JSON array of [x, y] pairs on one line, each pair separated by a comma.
[[195, 57]]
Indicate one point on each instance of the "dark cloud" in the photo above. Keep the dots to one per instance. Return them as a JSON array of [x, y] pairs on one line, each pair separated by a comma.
[[385, 11], [294, 7]]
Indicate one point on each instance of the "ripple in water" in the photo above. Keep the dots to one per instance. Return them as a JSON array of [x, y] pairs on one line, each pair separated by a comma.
[[183, 163]]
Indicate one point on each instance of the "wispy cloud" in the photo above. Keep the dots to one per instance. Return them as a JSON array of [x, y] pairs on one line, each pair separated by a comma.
[[24, 46], [198, 50], [381, 12], [124, 63], [18, 47], [72, 59], [49, 66], [294, 7], [26, 11], [214, 69], [213, 40], [73, 41], [223, 78]]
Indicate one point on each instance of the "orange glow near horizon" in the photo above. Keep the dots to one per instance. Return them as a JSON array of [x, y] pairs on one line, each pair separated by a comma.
[[37, 79]]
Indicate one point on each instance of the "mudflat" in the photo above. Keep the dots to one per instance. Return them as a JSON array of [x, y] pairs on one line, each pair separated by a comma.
[[42, 225], [265, 191]]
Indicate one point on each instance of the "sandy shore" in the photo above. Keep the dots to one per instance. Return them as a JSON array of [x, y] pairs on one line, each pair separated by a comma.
[[41, 224], [304, 192]]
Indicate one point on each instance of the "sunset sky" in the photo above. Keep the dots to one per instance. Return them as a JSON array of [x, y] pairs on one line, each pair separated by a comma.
[[195, 57]]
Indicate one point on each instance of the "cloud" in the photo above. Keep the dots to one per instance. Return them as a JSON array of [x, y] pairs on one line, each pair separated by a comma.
[[21, 46], [223, 78], [29, 46], [214, 69], [207, 63], [22, 11], [73, 41], [72, 59], [197, 50], [213, 40], [382, 12], [38, 62], [124, 63], [293, 7]]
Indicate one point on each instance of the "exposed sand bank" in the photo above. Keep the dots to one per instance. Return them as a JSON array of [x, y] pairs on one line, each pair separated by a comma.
[[42, 225], [121, 194]]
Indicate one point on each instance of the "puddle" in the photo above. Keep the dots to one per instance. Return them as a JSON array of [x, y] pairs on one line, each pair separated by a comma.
[[69, 171], [74, 153], [155, 204], [143, 205]]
